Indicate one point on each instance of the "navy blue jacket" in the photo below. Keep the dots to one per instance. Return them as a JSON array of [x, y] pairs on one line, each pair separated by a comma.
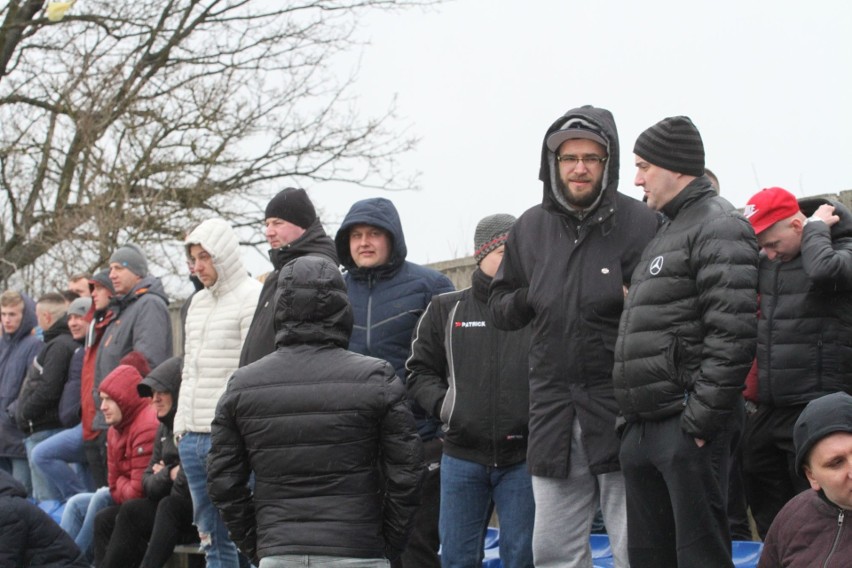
[[18, 350], [388, 300]]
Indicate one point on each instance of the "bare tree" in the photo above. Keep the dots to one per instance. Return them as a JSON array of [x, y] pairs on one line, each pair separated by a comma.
[[134, 120]]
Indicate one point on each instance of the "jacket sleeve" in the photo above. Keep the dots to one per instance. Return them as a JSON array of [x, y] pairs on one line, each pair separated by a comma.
[[130, 487], [228, 473], [725, 258], [41, 396], [184, 400], [402, 466], [507, 298], [157, 485], [426, 368], [827, 263]]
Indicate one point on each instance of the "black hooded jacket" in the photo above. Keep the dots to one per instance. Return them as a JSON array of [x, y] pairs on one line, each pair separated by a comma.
[[564, 272], [165, 377], [28, 536], [260, 340], [688, 332], [804, 331], [37, 407], [327, 432]]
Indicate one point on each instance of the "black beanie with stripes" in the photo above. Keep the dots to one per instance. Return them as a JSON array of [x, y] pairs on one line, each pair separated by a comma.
[[674, 144]]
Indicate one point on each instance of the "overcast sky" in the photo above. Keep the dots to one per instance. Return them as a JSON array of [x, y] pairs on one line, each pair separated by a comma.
[[766, 83]]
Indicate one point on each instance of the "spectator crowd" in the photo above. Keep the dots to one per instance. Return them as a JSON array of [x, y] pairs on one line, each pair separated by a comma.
[[655, 371]]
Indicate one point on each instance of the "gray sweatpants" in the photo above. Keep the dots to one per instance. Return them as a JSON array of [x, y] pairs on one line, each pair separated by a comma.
[[565, 508]]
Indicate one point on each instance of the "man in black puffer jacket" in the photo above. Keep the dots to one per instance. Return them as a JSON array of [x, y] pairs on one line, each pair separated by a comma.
[[328, 434], [685, 344], [804, 334], [566, 266], [28, 536], [292, 230]]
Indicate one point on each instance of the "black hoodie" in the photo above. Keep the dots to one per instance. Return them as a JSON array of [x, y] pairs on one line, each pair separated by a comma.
[[564, 271]]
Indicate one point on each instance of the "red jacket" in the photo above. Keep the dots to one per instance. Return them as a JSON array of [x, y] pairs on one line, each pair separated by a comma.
[[130, 443], [88, 403]]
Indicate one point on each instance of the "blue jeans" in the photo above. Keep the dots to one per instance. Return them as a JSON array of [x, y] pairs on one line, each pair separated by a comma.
[[42, 488], [19, 468], [62, 462], [78, 519], [219, 551], [467, 491], [304, 560]]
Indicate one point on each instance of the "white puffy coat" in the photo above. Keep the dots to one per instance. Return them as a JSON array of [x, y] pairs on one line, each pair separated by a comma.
[[216, 326]]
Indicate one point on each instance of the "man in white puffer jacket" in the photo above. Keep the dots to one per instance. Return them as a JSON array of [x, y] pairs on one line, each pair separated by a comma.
[[216, 326]]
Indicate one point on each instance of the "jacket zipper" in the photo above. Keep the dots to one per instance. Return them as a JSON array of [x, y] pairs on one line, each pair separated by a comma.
[[836, 538]]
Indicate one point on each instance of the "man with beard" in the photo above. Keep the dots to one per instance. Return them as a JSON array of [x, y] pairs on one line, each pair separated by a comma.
[[566, 265]]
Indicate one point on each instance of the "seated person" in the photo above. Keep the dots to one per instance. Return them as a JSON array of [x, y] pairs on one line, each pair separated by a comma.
[[145, 531], [130, 440], [61, 458], [809, 529], [28, 536]]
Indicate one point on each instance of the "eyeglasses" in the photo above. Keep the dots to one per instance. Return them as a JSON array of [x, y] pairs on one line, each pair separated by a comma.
[[571, 160]]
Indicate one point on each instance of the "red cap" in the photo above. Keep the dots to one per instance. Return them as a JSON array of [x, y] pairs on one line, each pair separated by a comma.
[[769, 206]]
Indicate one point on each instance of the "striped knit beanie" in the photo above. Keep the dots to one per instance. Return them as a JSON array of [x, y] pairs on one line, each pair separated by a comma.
[[673, 144], [491, 232]]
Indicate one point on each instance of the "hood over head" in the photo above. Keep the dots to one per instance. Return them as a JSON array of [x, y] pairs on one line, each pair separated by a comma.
[[120, 385], [165, 377], [29, 321], [595, 124], [311, 304], [217, 237], [378, 212]]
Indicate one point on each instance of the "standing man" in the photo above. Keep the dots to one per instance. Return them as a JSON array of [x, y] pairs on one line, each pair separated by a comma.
[[803, 334], [566, 265], [79, 284], [685, 344], [475, 378], [18, 348], [388, 295], [216, 326], [327, 434], [292, 230], [141, 322]]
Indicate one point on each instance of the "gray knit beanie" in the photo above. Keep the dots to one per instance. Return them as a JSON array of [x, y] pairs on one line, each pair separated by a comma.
[[132, 257], [80, 306], [822, 416], [673, 144], [102, 278], [491, 232]]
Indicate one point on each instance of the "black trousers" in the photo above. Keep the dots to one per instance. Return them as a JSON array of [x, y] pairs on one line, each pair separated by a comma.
[[142, 532], [422, 549], [676, 495], [769, 458], [96, 457]]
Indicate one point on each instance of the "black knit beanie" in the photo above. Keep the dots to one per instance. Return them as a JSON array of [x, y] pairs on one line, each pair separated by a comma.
[[294, 206], [673, 144], [491, 232], [822, 416]]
